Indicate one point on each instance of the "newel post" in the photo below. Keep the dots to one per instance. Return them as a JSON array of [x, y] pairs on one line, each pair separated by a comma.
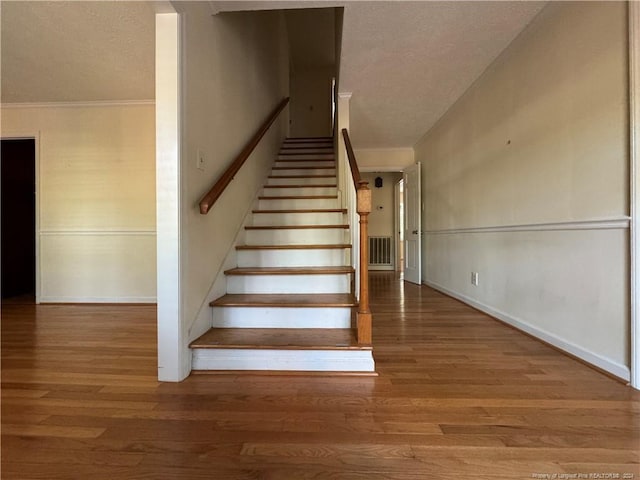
[[364, 314]]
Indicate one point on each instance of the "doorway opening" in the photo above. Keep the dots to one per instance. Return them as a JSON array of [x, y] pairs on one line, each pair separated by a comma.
[[18, 219]]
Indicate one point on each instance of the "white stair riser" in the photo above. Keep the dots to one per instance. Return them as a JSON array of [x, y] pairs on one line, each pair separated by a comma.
[[297, 203], [308, 144], [306, 150], [319, 156], [285, 360], [304, 191], [302, 163], [302, 181], [275, 317], [325, 283], [303, 171], [310, 236], [293, 258], [321, 142], [307, 218]]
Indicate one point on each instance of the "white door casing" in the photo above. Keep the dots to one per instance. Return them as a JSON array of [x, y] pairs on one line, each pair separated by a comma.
[[412, 224]]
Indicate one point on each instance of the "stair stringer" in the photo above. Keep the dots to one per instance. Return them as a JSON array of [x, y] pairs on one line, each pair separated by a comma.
[[204, 318]]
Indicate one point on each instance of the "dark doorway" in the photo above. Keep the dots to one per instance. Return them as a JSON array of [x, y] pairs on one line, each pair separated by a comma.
[[18, 235]]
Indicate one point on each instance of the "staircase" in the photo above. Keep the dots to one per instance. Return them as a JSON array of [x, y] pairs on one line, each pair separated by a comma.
[[289, 305]]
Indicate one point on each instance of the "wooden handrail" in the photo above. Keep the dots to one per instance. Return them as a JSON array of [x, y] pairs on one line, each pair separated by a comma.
[[355, 172], [225, 179], [363, 207]]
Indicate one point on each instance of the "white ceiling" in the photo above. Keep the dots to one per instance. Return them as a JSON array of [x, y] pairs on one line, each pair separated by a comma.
[[406, 63], [62, 51]]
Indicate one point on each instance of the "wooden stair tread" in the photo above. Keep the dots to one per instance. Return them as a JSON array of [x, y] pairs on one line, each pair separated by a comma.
[[307, 160], [310, 139], [286, 300], [301, 176], [280, 339], [287, 146], [305, 168], [304, 153], [330, 185], [293, 197], [323, 246], [305, 210], [293, 227], [289, 270]]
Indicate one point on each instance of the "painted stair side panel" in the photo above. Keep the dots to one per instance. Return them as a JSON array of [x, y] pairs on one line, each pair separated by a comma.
[[283, 360], [281, 317], [325, 283]]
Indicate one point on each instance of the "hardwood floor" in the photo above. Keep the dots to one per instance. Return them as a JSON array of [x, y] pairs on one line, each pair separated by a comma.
[[459, 396]]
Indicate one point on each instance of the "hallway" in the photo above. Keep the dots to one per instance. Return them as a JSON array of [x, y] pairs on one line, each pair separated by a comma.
[[458, 395]]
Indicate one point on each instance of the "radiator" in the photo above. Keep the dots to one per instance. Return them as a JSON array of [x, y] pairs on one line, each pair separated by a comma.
[[380, 251]]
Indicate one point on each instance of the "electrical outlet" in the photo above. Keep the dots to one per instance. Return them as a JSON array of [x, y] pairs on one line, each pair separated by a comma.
[[475, 278], [200, 160]]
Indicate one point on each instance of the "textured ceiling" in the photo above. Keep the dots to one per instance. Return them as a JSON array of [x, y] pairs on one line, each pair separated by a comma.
[[77, 51], [406, 63]]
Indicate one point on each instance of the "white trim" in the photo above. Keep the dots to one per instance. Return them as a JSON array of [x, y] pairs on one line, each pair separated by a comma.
[[98, 103], [72, 299], [615, 223], [634, 198], [283, 360], [36, 138], [174, 361], [346, 96], [51, 233], [617, 369]]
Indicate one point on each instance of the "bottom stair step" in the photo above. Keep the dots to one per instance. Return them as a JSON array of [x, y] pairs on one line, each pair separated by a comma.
[[280, 338], [281, 350]]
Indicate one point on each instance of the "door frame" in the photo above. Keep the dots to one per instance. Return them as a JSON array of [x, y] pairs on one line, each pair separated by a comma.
[[418, 167], [634, 189], [398, 226], [35, 136]]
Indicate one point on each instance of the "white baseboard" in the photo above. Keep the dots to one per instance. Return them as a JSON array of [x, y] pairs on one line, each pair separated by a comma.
[[619, 370], [124, 300]]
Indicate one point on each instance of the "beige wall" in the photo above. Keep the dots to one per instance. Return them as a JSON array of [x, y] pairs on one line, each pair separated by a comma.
[[236, 72], [311, 102], [97, 199], [525, 181], [384, 159]]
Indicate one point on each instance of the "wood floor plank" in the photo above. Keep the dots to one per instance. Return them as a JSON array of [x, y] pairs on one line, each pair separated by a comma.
[[458, 395]]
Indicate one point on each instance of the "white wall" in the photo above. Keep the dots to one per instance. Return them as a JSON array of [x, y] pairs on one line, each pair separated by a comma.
[[235, 72], [525, 181], [96, 191]]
